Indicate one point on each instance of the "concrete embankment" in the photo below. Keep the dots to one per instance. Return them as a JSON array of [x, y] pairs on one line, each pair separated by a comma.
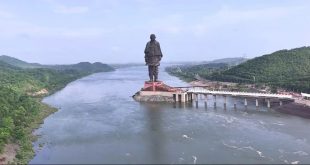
[[296, 109]]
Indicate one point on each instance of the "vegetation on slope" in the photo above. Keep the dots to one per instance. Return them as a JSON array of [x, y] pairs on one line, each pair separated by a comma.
[[19, 63], [230, 61], [190, 73], [289, 69], [20, 112]]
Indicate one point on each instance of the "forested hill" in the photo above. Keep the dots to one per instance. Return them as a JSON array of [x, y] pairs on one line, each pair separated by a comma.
[[229, 61], [19, 63], [285, 68], [82, 66], [29, 77], [21, 88], [188, 72]]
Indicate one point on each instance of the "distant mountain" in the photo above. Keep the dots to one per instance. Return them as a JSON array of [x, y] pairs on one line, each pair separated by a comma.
[[285, 68], [230, 61], [19, 63], [26, 76], [190, 71], [82, 66], [126, 65]]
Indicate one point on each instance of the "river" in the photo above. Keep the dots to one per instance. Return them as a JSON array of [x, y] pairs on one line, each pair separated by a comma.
[[99, 122]]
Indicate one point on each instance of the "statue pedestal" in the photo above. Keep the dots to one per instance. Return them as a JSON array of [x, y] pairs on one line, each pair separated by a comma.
[[157, 92], [158, 86], [151, 86]]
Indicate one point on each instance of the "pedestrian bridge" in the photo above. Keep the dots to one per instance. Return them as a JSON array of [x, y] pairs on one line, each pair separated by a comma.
[[199, 90], [191, 94]]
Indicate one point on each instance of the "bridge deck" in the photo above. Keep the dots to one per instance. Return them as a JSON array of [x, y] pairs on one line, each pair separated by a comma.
[[200, 90]]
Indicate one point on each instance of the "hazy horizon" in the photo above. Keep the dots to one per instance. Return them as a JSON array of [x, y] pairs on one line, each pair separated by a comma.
[[124, 63], [116, 31]]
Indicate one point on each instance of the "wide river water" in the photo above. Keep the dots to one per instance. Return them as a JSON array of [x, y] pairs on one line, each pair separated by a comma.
[[99, 122]]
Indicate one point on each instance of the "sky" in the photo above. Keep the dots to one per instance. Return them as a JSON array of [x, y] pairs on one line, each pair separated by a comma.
[[116, 31]]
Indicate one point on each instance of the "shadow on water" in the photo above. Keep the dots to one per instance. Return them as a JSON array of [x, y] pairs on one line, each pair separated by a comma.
[[153, 114]]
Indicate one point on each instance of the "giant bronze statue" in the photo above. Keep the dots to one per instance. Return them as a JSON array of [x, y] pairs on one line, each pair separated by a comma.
[[152, 57]]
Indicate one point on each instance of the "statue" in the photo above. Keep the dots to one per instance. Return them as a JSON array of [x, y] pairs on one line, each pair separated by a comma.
[[152, 57]]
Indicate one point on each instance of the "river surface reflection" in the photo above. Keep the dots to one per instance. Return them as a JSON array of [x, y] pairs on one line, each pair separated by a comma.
[[99, 122]]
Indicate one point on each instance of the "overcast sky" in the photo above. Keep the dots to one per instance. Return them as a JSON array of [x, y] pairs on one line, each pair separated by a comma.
[[116, 31]]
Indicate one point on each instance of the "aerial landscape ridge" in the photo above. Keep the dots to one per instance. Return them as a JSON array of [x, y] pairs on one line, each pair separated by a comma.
[[154, 82], [36, 81]]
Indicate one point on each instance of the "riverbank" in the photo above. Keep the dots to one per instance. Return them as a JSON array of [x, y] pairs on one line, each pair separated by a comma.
[[24, 152], [21, 152], [21, 90], [9, 153], [296, 109]]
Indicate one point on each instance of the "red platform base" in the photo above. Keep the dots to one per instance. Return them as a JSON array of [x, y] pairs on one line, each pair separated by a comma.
[[158, 86]]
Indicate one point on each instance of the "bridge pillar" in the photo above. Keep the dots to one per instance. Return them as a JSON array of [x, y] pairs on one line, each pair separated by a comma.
[[225, 100], [214, 96], [176, 97], [206, 100], [268, 103], [190, 97], [281, 103], [196, 100], [235, 102], [183, 97], [245, 102], [256, 102]]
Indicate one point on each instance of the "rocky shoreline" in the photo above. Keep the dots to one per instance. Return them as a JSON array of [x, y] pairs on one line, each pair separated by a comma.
[[9, 153]]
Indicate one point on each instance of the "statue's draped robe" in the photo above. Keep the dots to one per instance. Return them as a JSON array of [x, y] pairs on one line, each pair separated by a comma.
[[153, 53]]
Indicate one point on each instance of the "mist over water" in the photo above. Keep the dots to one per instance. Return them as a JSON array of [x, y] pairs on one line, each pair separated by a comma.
[[99, 122]]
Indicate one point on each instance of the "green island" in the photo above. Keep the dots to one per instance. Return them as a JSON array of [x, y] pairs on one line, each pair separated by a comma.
[[22, 87], [287, 69]]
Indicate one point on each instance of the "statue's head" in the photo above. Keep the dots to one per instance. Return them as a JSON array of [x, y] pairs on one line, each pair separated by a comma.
[[152, 37]]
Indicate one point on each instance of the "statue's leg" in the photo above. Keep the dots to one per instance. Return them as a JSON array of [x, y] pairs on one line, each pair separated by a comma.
[[150, 72], [156, 73]]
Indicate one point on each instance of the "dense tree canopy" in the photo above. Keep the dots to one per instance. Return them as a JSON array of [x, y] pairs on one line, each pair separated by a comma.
[[286, 68]]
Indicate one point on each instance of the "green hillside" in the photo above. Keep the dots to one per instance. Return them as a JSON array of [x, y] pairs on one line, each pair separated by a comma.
[[19, 63], [21, 110], [230, 61], [82, 66], [285, 68], [190, 72]]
